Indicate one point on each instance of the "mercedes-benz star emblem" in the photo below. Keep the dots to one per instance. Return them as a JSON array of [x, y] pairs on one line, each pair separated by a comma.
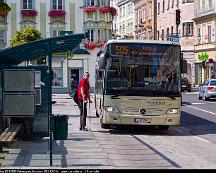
[[142, 111]]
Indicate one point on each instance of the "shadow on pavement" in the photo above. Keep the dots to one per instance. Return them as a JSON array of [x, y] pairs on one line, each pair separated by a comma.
[[190, 125]]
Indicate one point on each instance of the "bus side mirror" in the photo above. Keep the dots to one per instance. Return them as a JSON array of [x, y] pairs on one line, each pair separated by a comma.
[[183, 66], [102, 61]]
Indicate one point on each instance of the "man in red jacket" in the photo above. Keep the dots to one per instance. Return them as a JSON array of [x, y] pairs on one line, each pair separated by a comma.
[[83, 98]]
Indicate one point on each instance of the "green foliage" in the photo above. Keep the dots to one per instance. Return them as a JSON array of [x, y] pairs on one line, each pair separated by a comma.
[[203, 56], [26, 35], [4, 7]]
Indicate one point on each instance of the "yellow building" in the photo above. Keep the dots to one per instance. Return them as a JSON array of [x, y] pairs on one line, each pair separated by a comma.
[[205, 25]]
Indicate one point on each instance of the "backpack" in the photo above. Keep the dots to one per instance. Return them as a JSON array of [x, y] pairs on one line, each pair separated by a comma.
[[74, 95]]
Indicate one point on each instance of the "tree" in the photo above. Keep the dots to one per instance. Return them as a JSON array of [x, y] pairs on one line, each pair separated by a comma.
[[25, 35]]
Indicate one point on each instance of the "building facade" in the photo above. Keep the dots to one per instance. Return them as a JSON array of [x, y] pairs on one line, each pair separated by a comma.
[[167, 28], [58, 17], [144, 24], [125, 19], [205, 28]]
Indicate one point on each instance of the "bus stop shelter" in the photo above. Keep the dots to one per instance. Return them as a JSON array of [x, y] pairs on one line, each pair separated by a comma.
[[12, 57]]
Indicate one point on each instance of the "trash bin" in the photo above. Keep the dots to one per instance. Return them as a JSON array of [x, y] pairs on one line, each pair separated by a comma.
[[60, 127]]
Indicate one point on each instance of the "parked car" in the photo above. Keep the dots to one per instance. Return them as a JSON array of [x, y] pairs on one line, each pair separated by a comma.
[[207, 89], [185, 84]]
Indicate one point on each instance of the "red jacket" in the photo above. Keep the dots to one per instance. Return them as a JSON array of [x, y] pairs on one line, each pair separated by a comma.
[[85, 84]]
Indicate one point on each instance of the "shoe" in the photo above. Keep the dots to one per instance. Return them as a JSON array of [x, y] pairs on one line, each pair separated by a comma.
[[85, 129], [80, 129]]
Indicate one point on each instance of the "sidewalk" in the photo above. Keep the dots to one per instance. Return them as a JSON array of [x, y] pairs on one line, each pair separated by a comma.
[[80, 151]]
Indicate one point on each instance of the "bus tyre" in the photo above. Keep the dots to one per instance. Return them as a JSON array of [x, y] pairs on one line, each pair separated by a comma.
[[105, 126], [164, 127]]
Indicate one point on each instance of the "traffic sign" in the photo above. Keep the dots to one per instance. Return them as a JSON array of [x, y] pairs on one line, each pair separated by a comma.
[[174, 38]]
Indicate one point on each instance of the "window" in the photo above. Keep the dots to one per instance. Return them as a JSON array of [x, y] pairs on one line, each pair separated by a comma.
[[187, 1], [89, 2], [57, 4], [57, 77], [2, 36], [158, 8], [203, 4], [163, 7], [158, 35], [187, 29], [177, 3], [209, 33], [90, 33], [150, 12], [171, 30], [27, 4], [144, 13], [172, 4], [210, 4], [168, 34], [168, 4], [162, 35]]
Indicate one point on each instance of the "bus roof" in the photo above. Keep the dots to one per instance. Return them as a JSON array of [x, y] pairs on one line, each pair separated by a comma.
[[144, 41]]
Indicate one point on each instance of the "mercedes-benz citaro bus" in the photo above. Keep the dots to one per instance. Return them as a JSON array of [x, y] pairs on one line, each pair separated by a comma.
[[137, 82]]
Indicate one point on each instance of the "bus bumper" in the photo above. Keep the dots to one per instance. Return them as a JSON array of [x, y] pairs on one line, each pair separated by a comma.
[[171, 119]]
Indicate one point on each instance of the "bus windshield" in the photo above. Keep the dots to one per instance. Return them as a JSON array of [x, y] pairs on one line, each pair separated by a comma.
[[143, 69]]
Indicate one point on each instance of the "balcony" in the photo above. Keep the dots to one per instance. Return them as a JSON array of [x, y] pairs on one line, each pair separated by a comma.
[[204, 12]]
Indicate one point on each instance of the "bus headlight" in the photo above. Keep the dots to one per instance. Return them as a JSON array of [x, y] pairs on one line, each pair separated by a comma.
[[111, 109], [173, 111]]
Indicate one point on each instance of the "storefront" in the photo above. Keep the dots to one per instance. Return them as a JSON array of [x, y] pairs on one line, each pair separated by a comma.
[[204, 73]]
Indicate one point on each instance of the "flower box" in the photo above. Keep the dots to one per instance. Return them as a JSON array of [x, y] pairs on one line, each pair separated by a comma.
[[29, 13], [4, 14], [90, 45], [113, 11], [4, 9], [104, 9], [90, 9], [57, 13]]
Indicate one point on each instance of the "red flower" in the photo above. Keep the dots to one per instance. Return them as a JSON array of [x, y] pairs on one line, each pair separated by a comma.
[[4, 13], [90, 9], [104, 9], [113, 11], [90, 45], [57, 13], [29, 13]]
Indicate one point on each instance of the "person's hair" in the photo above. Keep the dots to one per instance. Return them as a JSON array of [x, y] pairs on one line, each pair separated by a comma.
[[86, 73]]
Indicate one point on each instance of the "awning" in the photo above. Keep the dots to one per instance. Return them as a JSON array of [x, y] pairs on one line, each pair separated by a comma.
[[17, 54]]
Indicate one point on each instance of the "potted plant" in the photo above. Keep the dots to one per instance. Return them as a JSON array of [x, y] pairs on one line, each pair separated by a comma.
[[90, 45], [104, 9], [30, 13], [90, 9], [4, 9], [57, 13], [113, 11]]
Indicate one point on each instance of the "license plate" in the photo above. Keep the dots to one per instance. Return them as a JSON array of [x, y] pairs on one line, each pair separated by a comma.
[[183, 86], [142, 120]]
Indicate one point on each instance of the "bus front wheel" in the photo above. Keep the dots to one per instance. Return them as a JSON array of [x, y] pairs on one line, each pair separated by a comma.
[[164, 127], [105, 126]]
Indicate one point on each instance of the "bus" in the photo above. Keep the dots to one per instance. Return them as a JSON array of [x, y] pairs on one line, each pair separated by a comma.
[[137, 82]]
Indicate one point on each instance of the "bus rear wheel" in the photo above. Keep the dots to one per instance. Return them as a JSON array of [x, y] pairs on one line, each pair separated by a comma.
[[164, 127], [105, 126]]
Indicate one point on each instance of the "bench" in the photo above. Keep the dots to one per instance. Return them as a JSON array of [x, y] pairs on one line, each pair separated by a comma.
[[10, 132]]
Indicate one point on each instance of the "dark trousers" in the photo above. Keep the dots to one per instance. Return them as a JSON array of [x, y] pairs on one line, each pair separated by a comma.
[[83, 113]]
